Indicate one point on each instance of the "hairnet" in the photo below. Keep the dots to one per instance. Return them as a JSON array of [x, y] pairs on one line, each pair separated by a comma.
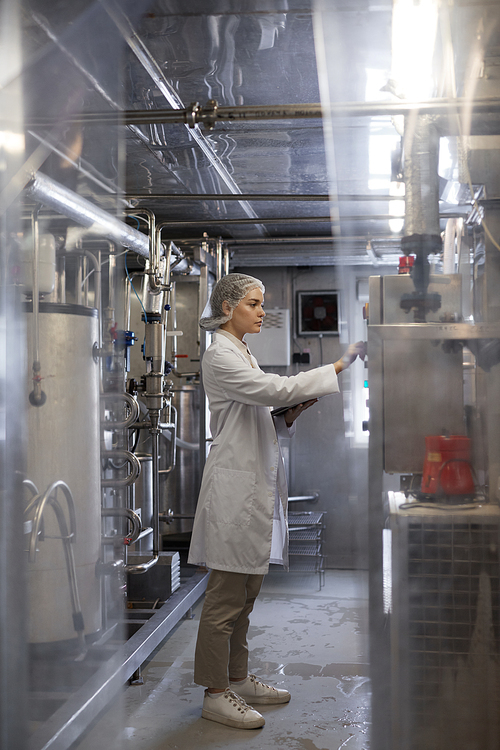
[[232, 288]]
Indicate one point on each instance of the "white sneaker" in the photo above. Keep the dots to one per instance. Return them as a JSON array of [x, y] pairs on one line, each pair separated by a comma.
[[255, 691], [228, 708]]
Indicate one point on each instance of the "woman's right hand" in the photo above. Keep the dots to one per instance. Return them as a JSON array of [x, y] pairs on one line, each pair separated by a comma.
[[292, 414], [353, 351]]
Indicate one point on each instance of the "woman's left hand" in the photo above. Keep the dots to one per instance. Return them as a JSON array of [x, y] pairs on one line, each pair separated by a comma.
[[292, 414]]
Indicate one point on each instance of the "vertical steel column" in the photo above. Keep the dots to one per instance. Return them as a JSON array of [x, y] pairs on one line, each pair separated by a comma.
[[202, 301], [13, 402], [491, 314], [379, 630]]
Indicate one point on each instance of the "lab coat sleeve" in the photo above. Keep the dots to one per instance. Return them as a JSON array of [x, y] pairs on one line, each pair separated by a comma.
[[249, 385]]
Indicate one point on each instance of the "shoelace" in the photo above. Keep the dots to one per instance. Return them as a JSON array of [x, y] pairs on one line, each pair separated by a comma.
[[236, 700], [256, 682]]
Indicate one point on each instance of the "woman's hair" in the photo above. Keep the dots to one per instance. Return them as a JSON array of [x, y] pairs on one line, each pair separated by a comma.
[[232, 289]]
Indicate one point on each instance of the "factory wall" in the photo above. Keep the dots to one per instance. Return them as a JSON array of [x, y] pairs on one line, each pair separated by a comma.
[[329, 453]]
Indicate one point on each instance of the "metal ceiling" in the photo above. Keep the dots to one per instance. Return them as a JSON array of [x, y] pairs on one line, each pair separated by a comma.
[[259, 183]]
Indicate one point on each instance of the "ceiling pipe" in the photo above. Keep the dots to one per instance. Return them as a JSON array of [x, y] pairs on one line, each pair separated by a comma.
[[309, 240], [68, 203], [332, 259], [43, 189], [212, 113], [317, 197], [293, 220], [268, 197]]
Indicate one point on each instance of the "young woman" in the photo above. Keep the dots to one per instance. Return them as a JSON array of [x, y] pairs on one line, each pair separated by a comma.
[[240, 524]]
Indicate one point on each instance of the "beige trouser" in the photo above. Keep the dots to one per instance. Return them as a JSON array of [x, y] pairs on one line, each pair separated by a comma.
[[221, 648]]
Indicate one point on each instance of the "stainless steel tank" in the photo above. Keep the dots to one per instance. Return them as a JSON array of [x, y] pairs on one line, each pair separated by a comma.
[[63, 444], [184, 483]]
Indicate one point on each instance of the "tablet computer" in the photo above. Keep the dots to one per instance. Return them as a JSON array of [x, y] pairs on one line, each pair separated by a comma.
[[282, 409]]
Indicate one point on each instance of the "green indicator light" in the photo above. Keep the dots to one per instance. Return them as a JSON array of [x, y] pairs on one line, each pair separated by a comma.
[[365, 384]]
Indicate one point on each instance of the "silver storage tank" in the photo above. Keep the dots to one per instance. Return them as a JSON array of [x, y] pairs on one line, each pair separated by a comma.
[[64, 444], [184, 483]]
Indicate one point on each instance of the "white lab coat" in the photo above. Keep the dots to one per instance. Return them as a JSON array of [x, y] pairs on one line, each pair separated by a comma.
[[234, 518]]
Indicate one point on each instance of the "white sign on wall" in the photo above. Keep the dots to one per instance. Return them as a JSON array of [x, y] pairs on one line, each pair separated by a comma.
[[271, 346]]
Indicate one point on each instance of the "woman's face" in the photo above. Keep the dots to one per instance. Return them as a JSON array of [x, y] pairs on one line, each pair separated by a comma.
[[247, 316]]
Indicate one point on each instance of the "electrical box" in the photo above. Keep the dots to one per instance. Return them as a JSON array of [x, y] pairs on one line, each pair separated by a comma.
[[271, 347]]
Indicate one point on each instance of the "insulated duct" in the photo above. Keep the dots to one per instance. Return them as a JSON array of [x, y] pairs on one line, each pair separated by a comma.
[[52, 194], [421, 157], [422, 234]]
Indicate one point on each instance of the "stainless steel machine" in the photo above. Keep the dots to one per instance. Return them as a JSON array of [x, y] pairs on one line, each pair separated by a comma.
[[435, 562]]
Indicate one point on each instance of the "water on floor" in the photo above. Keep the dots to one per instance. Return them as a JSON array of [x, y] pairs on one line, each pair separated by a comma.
[[311, 641]]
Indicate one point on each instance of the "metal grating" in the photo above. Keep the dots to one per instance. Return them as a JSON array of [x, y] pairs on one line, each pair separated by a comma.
[[306, 536], [307, 518], [306, 549], [303, 535], [453, 625]]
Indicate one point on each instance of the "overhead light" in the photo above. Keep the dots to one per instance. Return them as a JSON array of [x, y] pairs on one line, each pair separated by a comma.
[[11, 142], [414, 27]]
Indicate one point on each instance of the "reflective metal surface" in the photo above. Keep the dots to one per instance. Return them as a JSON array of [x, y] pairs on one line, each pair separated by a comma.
[[202, 119]]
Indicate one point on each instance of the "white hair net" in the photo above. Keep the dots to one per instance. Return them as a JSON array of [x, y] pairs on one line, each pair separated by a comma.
[[232, 288]]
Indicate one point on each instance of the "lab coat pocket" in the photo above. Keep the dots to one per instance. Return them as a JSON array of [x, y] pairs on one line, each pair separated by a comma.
[[232, 497]]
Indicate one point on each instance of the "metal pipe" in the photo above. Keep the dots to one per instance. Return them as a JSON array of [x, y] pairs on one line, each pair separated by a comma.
[[312, 498], [174, 323], [144, 532], [67, 537], [79, 281], [130, 420], [182, 263], [37, 396], [167, 276], [393, 240], [135, 468], [169, 432], [271, 197], [111, 283], [295, 197], [42, 501], [128, 293], [36, 299], [196, 114], [68, 203], [219, 257], [144, 567], [97, 291], [31, 486], [170, 516], [154, 255], [293, 220], [131, 516], [155, 439]]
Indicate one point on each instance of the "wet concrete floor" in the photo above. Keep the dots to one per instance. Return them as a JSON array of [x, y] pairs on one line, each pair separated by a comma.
[[311, 641]]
